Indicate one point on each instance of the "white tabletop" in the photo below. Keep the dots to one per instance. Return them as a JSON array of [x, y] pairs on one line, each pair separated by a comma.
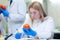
[[32, 39]]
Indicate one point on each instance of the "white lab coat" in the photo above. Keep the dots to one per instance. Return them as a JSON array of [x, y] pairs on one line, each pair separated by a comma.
[[17, 13], [44, 29]]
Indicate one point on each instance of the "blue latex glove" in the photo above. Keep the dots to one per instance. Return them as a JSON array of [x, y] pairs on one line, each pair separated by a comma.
[[18, 35], [0, 10], [5, 12], [29, 32]]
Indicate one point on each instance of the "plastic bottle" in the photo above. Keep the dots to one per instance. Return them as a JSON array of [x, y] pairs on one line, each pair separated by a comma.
[[1, 37]]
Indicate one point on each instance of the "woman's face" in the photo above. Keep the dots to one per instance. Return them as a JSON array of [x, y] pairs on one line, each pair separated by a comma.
[[34, 14]]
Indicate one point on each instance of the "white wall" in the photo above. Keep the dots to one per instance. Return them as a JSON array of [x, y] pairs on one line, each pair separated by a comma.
[[41, 1], [4, 2], [54, 11]]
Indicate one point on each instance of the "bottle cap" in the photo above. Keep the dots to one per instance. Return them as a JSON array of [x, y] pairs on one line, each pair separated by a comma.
[[27, 26]]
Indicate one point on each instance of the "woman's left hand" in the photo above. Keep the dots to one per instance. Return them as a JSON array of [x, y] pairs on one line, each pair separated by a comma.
[[29, 32]]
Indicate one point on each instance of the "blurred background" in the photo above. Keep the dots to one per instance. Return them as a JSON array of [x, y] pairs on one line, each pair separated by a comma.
[[51, 7]]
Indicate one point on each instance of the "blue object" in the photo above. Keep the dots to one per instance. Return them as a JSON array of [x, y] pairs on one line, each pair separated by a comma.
[[29, 32], [11, 2], [18, 35], [26, 31], [5, 12], [0, 10]]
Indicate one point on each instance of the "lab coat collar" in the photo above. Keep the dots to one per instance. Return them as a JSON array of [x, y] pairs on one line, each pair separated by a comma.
[[36, 21]]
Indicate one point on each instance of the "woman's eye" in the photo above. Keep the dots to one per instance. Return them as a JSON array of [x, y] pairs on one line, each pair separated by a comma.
[[34, 12]]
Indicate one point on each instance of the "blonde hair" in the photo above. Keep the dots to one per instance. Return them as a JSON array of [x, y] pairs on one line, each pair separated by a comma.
[[37, 5]]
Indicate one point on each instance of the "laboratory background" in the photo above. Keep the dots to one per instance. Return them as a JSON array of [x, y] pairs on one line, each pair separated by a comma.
[[51, 7]]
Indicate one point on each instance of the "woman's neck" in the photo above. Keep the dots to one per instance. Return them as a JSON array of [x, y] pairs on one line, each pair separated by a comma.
[[37, 20]]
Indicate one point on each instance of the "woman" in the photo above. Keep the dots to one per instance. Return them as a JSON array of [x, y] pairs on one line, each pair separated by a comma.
[[41, 24]]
